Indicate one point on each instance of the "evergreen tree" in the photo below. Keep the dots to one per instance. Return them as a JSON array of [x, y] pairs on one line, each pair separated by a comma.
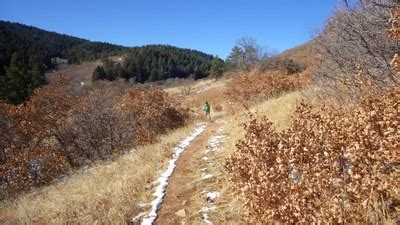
[[120, 73], [38, 78], [14, 86], [99, 74], [217, 68], [235, 58], [153, 75]]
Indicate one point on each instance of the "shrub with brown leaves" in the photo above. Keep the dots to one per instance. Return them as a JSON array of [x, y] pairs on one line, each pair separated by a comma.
[[248, 88], [218, 107], [57, 130], [327, 167], [30, 167], [156, 112]]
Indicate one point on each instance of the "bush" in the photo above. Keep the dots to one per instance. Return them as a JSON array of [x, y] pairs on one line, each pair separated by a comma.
[[285, 65], [251, 87], [30, 167], [156, 112], [327, 167], [58, 129], [217, 107], [354, 42]]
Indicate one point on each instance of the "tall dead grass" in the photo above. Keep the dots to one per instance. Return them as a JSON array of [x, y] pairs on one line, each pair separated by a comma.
[[108, 192]]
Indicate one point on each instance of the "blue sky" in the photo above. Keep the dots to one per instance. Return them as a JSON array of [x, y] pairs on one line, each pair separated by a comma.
[[212, 26]]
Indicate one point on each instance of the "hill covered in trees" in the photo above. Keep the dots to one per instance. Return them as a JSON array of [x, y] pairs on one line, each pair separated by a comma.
[[26, 52], [157, 62], [31, 42]]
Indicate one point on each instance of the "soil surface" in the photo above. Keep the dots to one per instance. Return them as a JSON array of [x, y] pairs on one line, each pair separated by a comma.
[[182, 193]]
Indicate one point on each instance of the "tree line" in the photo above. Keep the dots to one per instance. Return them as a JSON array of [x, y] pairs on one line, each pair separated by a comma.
[[159, 62], [26, 52]]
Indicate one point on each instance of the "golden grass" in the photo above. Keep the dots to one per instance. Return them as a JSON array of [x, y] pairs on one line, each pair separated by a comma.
[[107, 192], [197, 87], [279, 110]]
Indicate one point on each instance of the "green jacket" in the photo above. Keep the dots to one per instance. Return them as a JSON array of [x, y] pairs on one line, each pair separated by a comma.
[[206, 108]]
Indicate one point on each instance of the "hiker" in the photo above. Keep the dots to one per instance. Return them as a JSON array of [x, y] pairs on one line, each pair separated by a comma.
[[206, 110]]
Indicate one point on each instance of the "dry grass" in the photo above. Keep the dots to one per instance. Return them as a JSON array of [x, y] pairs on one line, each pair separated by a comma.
[[107, 192], [197, 87], [279, 110], [210, 91]]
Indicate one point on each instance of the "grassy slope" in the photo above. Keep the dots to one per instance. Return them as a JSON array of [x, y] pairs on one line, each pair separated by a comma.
[[109, 191]]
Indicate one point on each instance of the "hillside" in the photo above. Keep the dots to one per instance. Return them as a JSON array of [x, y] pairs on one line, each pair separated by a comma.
[[34, 50], [157, 62], [32, 42], [302, 53]]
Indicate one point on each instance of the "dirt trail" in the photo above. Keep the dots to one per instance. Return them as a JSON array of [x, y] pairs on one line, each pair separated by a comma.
[[184, 194], [191, 192]]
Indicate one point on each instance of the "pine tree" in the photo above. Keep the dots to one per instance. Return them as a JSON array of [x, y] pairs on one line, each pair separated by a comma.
[[153, 75], [14, 86], [120, 73], [235, 58], [38, 78], [217, 68], [99, 74]]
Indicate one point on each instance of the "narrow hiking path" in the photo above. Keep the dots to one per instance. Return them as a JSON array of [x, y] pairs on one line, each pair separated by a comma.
[[189, 196], [184, 192], [189, 192]]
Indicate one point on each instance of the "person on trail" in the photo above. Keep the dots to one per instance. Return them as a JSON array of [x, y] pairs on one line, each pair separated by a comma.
[[206, 110]]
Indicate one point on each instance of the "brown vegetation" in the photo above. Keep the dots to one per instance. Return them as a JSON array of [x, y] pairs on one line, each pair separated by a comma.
[[332, 164], [354, 41], [249, 88], [326, 167], [59, 129]]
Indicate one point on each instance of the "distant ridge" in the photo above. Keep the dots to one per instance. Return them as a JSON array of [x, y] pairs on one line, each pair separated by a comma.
[[31, 41]]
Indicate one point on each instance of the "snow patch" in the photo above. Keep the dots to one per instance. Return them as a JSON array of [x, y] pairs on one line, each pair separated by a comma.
[[205, 211], [205, 176], [213, 195], [140, 215], [159, 192], [216, 141], [143, 205]]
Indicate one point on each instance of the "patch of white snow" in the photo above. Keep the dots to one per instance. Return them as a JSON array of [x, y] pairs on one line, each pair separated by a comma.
[[213, 195], [205, 211], [205, 176]]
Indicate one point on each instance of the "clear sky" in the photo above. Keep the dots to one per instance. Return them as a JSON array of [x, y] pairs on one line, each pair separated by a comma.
[[212, 26]]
